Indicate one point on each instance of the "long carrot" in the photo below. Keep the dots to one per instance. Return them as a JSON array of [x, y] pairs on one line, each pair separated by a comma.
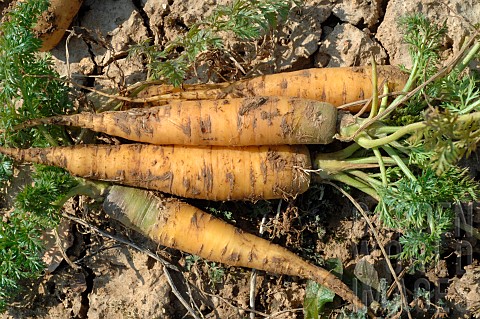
[[336, 86], [178, 225], [213, 173], [232, 122]]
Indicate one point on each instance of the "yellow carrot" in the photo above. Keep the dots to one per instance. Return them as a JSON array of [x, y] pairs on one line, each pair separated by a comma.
[[213, 173], [178, 225], [229, 122], [336, 86], [52, 24]]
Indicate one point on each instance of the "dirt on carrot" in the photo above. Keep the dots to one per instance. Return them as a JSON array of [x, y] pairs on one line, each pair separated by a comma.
[[337, 86], [228, 122], [178, 225], [54, 22], [212, 173]]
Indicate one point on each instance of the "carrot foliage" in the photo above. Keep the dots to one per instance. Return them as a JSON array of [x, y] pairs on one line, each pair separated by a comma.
[[21, 228], [416, 142], [27, 79], [25, 93], [245, 19]]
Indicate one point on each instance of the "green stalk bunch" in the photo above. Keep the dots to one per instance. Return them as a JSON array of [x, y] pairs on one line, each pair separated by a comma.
[[245, 19], [405, 153], [28, 90], [35, 210]]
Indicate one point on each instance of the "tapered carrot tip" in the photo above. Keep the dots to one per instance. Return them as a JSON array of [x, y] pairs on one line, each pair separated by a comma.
[[336, 86], [178, 225], [227, 122], [212, 173]]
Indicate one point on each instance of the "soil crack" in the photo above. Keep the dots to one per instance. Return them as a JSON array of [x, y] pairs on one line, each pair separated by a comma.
[[146, 19], [85, 301]]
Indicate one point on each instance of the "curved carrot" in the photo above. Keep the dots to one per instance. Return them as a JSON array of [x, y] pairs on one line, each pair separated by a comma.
[[178, 225]]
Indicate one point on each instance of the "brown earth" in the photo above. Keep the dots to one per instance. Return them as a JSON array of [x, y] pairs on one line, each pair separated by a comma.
[[110, 280]]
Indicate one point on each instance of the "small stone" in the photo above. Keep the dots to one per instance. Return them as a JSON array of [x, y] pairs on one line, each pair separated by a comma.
[[86, 66], [358, 11]]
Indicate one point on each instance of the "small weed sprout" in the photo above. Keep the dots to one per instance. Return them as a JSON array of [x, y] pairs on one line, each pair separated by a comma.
[[390, 306], [245, 19], [216, 273], [347, 314], [225, 214], [191, 261]]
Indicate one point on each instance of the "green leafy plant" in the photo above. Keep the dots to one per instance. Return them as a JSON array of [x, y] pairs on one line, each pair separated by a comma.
[[245, 19], [216, 273], [409, 162], [424, 40], [21, 247], [21, 229], [28, 89], [317, 296], [6, 169], [191, 260], [390, 306], [422, 209], [225, 214]]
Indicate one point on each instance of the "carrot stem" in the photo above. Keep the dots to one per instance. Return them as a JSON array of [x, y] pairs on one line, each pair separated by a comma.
[[366, 142], [348, 180], [86, 188], [393, 154], [408, 85], [381, 163], [365, 177], [374, 107], [341, 154], [48, 136], [399, 131], [468, 57], [370, 160], [384, 103], [339, 170]]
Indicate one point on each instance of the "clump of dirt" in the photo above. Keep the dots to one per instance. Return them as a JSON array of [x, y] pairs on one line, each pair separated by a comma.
[[124, 279], [464, 293]]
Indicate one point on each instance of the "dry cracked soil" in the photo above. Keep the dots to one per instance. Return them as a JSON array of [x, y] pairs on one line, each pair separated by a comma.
[[112, 280]]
